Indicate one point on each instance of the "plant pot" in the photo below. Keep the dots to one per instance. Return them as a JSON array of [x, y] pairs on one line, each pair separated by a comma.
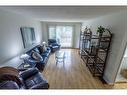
[[100, 34]]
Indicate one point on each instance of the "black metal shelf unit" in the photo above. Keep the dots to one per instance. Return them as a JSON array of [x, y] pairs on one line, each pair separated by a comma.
[[94, 50]]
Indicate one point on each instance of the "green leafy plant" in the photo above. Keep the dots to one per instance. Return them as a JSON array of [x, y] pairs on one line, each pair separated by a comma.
[[101, 30]]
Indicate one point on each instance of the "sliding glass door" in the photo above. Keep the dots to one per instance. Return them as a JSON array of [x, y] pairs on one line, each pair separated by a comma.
[[63, 34]]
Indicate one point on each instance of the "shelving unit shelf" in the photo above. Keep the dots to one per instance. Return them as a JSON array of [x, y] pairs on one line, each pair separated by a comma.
[[94, 50]]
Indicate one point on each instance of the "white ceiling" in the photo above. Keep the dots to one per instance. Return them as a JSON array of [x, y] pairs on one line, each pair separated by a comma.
[[65, 13]]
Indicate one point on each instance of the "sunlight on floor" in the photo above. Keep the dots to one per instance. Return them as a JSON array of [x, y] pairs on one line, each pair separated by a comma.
[[73, 74]]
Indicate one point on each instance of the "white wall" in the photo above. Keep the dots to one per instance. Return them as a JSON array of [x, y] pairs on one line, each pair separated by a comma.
[[10, 36], [76, 37], [44, 31], [117, 23], [123, 61], [77, 27]]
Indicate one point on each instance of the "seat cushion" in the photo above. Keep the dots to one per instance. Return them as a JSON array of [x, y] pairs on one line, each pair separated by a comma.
[[31, 61], [46, 53], [28, 73], [35, 80]]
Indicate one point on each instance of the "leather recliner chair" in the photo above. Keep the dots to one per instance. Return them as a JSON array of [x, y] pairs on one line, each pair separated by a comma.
[[29, 79], [53, 44]]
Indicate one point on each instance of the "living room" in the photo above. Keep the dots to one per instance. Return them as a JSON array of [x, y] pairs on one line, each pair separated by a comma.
[[61, 67]]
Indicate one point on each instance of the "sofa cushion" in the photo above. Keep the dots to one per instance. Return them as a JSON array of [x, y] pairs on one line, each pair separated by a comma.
[[46, 53], [52, 41], [37, 50], [30, 61], [34, 80], [43, 49], [27, 73]]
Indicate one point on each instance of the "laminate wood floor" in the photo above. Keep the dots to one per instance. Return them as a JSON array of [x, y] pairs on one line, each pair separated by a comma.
[[73, 74]]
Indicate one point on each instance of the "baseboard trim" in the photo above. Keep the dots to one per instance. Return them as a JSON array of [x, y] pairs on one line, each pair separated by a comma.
[[68, 48]]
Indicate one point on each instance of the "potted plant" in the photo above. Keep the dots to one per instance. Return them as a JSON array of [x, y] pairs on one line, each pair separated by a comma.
[[100, 30]]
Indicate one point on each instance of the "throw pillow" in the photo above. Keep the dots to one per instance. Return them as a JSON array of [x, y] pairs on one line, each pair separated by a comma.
[[43, 48], [37, 56]]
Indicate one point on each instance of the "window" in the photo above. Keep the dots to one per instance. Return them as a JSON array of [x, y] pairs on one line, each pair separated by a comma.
[[63, 34], [52, 33]]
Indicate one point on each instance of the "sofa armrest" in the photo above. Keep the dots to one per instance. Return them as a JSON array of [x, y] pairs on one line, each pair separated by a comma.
[[28, 73], [9, 85], [41, 86]]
